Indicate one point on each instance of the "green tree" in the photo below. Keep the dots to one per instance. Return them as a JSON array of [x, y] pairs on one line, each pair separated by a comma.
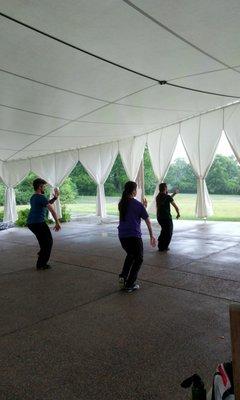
[[84, 184], [150, 180], [180, 175], [68, 191], [117, 179], [25, 189], [2, 191], [224, 176]]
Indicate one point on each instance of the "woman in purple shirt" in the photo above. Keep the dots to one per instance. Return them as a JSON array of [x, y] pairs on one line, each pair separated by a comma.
[[131, 211]]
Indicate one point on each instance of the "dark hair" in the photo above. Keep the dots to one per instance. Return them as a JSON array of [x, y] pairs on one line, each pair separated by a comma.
[[38, 182], [129, 188], [162, 187]]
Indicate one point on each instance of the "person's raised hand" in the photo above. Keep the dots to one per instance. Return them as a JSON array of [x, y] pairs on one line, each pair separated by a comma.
[[56, 192], [176, 191], [145, 203]]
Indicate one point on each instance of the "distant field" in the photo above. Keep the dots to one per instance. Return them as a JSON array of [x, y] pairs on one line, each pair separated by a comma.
[[226, 208]]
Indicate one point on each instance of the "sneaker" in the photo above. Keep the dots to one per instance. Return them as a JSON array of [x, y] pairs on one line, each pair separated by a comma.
[[131, 289], [121, 282]]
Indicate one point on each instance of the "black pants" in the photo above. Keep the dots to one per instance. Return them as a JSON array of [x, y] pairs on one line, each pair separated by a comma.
[[45, 240], [166, 233], [133, 261]]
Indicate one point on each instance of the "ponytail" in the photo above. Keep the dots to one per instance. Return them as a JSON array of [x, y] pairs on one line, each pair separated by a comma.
[[129, 188]]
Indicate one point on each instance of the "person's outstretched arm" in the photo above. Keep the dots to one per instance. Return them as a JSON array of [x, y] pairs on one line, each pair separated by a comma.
[[176, 191], [152, 238], [176, 208], [57, 226]]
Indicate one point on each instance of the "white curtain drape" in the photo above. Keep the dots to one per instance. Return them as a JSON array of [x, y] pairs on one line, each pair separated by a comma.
[[98, 162], [54, 169], [131, 152], [232, 128], [140, 183], [13, 172], [161, 147], [200, 137]]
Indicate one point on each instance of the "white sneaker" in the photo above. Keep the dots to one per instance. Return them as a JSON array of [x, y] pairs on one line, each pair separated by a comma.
[[132, 288]]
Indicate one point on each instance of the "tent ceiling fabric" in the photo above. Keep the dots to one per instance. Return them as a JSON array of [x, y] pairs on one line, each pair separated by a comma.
[[55, 98]]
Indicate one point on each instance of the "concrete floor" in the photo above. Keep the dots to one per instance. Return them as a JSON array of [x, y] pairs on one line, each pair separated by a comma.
[[68, 333]]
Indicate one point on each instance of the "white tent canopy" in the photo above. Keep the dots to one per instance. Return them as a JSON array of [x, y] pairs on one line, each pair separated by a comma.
[[56, 96]]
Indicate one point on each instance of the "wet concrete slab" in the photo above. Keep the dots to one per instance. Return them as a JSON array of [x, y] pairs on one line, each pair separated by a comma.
[[68, 333], [119, 347], [28, 296]]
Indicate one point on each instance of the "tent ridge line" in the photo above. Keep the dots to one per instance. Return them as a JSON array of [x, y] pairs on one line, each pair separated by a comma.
[[53, 86], [7, 148], [203, 73], [79, 117], [76, 47], [152, 108], [20, 132], [33, 112], [56, 129], [202, 91], [91, 122], [63, 151], [105, 100], [161, 82], [177, 35]]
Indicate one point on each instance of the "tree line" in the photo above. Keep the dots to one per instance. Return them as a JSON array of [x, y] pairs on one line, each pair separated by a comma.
[[223, 178]]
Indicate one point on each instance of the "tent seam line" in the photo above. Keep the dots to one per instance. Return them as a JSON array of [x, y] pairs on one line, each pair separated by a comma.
[[154, 20]]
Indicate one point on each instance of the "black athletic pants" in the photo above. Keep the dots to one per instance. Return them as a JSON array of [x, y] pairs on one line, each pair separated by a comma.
[[133, 261], [165, 236], [44, 237]]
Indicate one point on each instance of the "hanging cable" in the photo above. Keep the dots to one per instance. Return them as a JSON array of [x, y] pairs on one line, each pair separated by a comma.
[[198, 90], [76, 47], [161, 82]]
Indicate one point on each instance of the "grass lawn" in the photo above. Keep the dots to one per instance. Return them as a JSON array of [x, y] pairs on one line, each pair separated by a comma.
[[226, 208]]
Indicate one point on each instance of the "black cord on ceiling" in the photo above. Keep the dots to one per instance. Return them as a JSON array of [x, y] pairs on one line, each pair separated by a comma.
[[161, 82], [198, 90]]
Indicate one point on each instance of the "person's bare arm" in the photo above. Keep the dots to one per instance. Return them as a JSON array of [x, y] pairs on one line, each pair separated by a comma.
[[55, 196], [176, 191], [57, 226], [176, 208], [152, 238]]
